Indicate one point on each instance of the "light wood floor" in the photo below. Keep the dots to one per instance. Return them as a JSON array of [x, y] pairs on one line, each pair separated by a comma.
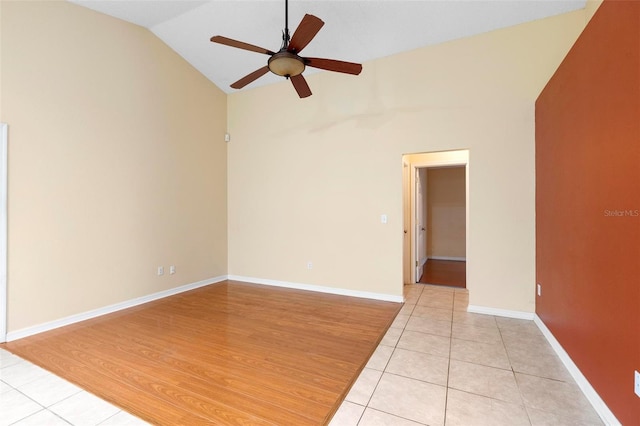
[[445, 272], [228, 353]]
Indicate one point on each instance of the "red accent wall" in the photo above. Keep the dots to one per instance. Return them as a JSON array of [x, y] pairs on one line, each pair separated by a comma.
[[588, 205]]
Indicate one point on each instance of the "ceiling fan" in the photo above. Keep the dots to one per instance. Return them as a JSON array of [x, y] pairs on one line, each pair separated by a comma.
[[286, 62]]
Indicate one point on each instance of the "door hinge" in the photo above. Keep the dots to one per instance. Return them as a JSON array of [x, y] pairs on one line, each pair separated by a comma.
[[416, 263]]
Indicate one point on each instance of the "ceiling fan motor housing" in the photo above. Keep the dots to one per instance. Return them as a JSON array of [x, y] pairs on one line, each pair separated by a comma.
[[286, 64]]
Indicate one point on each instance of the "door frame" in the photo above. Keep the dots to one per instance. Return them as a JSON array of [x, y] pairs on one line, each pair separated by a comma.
[[432, 160], [420, 194], [3, 231]]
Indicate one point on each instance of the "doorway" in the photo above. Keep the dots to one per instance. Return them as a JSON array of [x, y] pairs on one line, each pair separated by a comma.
[[446, 224], [436, 225]]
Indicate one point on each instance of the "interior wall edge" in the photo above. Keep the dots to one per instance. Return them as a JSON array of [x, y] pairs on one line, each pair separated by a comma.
[[72, 319], [3, 230], [591, 8], [589, 392]]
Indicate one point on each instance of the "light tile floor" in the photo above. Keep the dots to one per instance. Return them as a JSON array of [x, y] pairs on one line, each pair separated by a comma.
[[31, 396], [437, 365], [440, 365]]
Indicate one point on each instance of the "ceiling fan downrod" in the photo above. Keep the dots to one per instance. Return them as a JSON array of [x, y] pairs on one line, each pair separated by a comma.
[[285, 34]]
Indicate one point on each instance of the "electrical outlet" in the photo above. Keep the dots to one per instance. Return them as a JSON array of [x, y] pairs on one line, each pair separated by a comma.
[[539, 289], [637, 383], [309, 265], [160, 270], [172, 269]]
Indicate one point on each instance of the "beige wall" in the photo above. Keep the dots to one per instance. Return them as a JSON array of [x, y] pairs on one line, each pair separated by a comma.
[[590, 9], [446, 212], [117, 163], [309, 179]]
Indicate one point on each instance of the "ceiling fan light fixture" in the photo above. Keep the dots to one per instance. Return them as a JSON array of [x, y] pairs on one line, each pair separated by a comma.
[[286, 64]]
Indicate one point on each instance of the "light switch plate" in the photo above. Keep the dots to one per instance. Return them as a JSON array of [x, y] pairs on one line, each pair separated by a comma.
[[637, 383]]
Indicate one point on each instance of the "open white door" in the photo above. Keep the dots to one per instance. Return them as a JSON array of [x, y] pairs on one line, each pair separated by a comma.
[[406, 223], [420, 221]]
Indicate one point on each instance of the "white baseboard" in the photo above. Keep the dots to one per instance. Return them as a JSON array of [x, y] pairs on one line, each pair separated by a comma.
[[598, 404], [40, 328], [590, 393], [320, 289], [455, 259], [30, 331], [500, 312]]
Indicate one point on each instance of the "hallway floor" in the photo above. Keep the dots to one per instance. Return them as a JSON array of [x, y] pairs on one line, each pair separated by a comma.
[[445, 272], [440, 365]]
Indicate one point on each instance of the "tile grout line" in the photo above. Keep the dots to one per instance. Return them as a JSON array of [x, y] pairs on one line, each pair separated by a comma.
[[505, 331], [446, 390], [395, 346], [383, 370], [44, 408], [506, 351], [13, 388]]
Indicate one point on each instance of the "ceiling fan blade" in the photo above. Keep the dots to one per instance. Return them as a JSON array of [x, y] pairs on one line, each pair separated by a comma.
[[306, 31], [240, 45], [334, 65], [250, 77], [301, 86]]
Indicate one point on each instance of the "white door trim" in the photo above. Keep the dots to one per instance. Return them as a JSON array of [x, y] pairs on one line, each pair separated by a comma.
[[438, 159], [3, 231]]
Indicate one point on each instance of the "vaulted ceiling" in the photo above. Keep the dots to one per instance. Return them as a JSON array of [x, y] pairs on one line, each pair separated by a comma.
[[355, 31]]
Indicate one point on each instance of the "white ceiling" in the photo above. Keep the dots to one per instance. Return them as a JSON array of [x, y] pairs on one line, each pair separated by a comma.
[[354, 30]]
